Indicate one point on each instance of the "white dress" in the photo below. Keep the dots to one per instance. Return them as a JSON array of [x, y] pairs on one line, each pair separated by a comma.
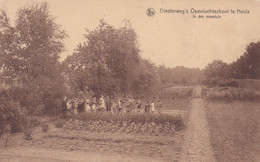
[[87, 107], [102, 103], [152, 107]]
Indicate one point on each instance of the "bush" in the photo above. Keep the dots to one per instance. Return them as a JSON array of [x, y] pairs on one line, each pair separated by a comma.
[[45, 127], [10, 113], [220, 82], [142, 118], [28, 134], [59, 123], [175, 92], [232, 94]]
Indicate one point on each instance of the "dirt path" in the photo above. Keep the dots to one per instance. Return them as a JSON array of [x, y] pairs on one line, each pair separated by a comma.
[[43, 154], [196, 144]]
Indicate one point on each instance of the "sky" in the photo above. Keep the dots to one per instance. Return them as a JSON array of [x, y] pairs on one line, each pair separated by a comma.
[[171, 39]]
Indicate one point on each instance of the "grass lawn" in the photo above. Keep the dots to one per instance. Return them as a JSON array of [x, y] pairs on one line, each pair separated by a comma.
[[176, 104], [235, 130]]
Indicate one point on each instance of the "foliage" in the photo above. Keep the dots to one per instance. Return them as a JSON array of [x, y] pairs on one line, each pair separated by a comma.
[[249, 83], [142, 118], [45, 127], [59, 123], [147, 79], [220, 82], [29, 52], [11, 113], [175, 92], [106, 62], [179, 74], [246, 67], [231, 94], [216, 69], [28, 133], [109, 62], [124, 127]]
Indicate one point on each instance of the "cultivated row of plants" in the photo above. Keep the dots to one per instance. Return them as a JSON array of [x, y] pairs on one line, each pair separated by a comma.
[[175, 92], [232, 93], [107, 122]]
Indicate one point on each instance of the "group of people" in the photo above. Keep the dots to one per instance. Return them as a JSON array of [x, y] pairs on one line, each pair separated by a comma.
[[117, 105]]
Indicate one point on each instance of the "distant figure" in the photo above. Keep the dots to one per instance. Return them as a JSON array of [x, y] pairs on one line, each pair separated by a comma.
[[72, 106], [87, 106], [102, 106], [147, 107], [152, 107], [93, 104], [159, 106], [119, 105], [64, 106], [138, 106], [114, 107], [81, 105], [129, 104], [93, 107]]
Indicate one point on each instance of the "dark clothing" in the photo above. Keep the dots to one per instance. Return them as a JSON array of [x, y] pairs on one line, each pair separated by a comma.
[[81, 107], [146, 108], [64, 107]]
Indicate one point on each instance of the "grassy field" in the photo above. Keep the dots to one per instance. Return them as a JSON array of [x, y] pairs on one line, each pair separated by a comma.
[[235, 129]]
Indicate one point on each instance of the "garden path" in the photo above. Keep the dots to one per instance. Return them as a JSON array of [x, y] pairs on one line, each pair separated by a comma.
[[196, 144]]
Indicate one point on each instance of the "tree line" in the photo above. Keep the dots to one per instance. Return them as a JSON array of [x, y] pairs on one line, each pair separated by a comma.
[[246, 66]]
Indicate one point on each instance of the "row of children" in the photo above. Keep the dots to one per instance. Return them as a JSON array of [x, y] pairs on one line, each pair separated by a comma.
[[124, 105]]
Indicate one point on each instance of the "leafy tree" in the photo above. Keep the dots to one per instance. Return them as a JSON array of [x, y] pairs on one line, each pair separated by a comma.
[[107, 60], [248, 65], [216, 69], [10, 112], [29, 53], [147, 79]]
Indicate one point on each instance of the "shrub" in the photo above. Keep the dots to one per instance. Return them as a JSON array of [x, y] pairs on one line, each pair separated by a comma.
[[232, 94], [45, 127], [142, 118], [59, 123], [10, 113], [28, 134], [220, 82], [175, 92]]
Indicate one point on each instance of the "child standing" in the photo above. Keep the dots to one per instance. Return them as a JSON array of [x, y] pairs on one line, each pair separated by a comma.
[[147, 107], [152, 107]]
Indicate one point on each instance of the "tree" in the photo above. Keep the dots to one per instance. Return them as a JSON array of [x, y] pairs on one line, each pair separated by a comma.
[[29, 53], [147, 80], [107, 59], [216, 69], [248, 65]]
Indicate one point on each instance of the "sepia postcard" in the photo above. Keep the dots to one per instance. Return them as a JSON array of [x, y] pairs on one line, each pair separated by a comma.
[[129, 80]]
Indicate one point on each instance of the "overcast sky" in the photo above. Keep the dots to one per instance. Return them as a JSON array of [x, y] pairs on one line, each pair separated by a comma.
[[171, 39]]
